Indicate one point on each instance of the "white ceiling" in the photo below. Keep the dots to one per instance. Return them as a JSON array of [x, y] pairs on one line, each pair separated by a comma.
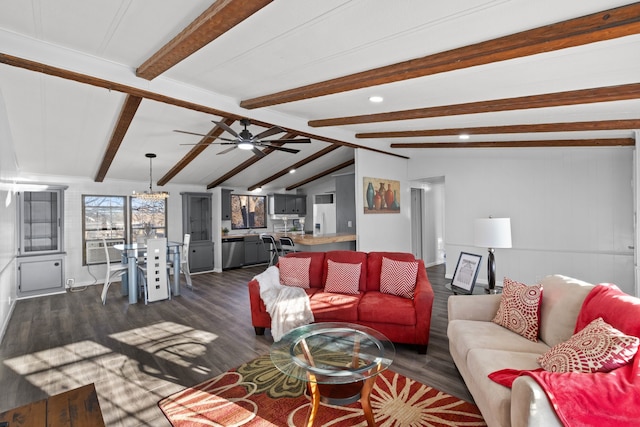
[[62, 127]]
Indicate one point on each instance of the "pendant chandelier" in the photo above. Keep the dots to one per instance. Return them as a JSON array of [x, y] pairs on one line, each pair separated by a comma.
[[151, 195]]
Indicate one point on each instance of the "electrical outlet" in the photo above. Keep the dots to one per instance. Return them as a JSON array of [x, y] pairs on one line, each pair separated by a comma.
[[71, 283]]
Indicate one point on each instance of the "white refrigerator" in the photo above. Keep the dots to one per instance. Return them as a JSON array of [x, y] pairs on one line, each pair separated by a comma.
[[324, 219]]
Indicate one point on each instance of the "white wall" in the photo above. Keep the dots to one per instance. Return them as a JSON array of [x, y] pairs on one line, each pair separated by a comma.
[[570, 208], [8, 225], [383, 232]]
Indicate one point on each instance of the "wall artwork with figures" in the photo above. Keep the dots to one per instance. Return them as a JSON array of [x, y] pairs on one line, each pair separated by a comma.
[[381, 195]]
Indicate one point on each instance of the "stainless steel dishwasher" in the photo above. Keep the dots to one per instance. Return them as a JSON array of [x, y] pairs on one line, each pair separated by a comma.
[[232, 252]]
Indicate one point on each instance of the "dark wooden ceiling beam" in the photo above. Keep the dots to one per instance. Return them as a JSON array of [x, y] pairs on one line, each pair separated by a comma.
[[297, 165], [129, 109], [528, 128], [605, 142], [194, 152], [605, 25], [558, 99], [244, 165], [219, 18], [321, 174]]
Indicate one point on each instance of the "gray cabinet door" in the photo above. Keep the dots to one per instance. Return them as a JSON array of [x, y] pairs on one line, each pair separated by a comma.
[[225, 205], [40, 275], [200, 256]]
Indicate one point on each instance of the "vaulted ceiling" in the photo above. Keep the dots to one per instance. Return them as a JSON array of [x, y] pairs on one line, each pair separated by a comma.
[[89, 87]]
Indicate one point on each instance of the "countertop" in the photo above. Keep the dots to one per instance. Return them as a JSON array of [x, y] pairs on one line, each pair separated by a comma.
[[303, 239]]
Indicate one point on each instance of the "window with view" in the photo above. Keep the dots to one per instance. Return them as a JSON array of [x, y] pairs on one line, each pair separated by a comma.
[[104, 217], [148, 218], [248, 212]]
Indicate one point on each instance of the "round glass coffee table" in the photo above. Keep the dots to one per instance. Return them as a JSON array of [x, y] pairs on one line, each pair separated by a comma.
[[339, 361]]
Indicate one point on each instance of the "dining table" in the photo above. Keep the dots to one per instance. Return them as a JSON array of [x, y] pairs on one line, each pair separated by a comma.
[[130, 253]]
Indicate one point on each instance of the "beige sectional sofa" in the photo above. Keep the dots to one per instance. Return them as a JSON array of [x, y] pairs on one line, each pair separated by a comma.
[[479, 347]]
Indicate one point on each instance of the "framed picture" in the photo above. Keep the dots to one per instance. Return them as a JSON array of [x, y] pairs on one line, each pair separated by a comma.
[[464, 278], [381, 196]]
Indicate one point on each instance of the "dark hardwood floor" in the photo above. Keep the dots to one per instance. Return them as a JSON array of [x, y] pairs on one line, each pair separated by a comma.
[[137, 354]]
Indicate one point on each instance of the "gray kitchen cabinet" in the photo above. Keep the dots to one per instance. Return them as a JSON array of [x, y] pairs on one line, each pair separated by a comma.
[[197, 222], [225, 205], [40, 260], [289, 204], [255, 251]]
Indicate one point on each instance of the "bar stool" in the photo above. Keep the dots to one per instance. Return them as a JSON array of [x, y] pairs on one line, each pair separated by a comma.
[[286, 245], [268, 239]]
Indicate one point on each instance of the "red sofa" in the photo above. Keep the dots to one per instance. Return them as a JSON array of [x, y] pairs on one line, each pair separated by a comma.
[[402, 320]]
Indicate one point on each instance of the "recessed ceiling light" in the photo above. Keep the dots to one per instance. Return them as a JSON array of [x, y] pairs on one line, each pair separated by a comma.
[[464, 136], [257, 190], [376, 98], [292, 171]]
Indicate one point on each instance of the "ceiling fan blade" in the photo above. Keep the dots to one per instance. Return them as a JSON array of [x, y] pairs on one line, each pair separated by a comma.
[[226, 127], [271, 131], [289, 141], [258, 152], [202, 134], [227, 150], [288, 150]]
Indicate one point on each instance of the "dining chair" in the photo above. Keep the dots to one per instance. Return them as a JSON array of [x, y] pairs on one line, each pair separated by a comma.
[[184, 261], [274, 252], [156, 276], [113, 270], [286, 245]]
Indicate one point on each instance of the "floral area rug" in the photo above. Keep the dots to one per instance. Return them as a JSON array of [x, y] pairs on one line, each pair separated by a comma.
[[257, 394]]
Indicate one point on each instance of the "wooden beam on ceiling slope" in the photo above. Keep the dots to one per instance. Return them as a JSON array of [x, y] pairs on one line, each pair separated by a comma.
[[244, 165], [604, 25], [297, 165], [129, 109], [558, 99], [527, 128], [605, 142], [194, 152], [219, 18], [322, 174]]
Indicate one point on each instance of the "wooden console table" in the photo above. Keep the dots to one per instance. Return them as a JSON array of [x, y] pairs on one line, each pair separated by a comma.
[[78, 408]]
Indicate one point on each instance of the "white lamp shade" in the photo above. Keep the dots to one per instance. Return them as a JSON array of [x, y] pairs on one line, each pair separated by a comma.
[[493, 233]]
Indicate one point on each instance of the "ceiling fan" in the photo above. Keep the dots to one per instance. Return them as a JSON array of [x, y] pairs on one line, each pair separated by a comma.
[[245, 140]]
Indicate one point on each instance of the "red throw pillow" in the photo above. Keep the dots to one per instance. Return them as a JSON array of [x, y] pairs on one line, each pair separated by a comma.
[[294, 271], [519, 309], [398, 277], [342, 278], [599, 347]]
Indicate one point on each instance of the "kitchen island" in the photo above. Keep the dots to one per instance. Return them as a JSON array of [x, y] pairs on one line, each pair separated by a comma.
[[321, 242]]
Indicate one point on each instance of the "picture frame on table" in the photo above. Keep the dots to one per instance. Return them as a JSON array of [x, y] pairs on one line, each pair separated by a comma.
[[466, 273]]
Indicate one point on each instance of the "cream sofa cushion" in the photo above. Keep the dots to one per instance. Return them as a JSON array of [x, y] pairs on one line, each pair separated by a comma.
[[562, 299]]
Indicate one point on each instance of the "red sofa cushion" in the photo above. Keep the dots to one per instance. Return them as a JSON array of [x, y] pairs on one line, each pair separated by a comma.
[[328, 306], [350, 257], [377, 307], [315, 269], [374, 266]]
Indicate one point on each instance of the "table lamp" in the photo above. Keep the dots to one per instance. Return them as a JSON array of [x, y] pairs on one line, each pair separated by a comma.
[[492, 233]]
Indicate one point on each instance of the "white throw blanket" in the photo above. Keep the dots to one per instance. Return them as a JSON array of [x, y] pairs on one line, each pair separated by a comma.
[[288, 306]]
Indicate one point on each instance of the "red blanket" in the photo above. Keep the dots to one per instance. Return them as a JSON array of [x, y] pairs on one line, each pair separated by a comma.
[[609, 399]]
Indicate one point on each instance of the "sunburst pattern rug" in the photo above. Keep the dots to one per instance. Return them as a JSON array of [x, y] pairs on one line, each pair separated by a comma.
[[257, 394]]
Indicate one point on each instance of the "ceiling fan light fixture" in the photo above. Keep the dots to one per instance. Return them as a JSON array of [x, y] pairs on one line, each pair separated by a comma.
[[245, 145], [151, 195]]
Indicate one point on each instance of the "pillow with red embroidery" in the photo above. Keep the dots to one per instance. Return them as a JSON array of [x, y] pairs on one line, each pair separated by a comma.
[[599, 347], [294, 271], [398, 277], [519, 309], [342, 278]]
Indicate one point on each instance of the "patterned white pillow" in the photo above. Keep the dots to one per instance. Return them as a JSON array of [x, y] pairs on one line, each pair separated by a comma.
[[519, 309], [294, 271], [599, 347], [342, 278], [398, 277]]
